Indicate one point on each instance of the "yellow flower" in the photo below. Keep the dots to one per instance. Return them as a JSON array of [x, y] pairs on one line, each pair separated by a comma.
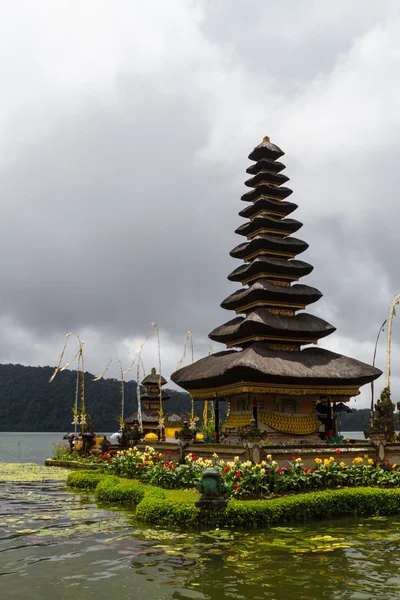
[[150, 463], [274, 463], [358, 460], [370, 461], [298, 460], [138, 455], [327, 462], [263, 463], [331, 459], [394, 465], [236, 459], [262, 472], [342, 464], [318, 461], [365, 455], [215, 455], [269, 457]]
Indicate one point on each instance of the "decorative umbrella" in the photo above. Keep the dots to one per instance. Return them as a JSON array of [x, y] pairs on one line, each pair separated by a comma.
[[114, 437]]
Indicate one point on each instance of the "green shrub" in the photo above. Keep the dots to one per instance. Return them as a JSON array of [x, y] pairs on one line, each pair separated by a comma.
[[61, 451], [315, 505], [173, 509], [85, 480], [176, 508], [113, 490]]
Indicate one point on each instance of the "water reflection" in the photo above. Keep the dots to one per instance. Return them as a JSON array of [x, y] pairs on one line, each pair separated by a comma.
[[54, 544]]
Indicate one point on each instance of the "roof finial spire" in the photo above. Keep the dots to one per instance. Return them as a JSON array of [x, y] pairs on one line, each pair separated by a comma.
[[266, 139]]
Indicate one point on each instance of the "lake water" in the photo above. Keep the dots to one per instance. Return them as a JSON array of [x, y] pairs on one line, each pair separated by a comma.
[[59, 545], [36, 447], [27, 447]]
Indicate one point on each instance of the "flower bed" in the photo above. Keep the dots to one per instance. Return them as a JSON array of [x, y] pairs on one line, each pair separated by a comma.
[[168, 508], [248, 480]]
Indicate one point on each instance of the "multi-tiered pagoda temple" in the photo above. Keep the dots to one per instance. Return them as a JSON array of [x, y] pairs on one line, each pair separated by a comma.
[[151, 408], [266, 373]]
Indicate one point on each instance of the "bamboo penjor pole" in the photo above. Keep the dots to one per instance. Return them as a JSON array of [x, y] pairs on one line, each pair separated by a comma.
[[392, 313]]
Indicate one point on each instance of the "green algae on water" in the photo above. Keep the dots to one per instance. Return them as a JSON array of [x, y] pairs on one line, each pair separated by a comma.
[[27, 472]]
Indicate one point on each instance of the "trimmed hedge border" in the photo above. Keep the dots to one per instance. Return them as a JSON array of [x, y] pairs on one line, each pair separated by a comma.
[[176, 508]]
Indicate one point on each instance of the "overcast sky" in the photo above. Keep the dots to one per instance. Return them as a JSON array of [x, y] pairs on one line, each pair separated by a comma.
[[125, 128]]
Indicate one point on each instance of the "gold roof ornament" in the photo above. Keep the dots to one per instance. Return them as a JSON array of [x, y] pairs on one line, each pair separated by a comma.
[[266, 139]]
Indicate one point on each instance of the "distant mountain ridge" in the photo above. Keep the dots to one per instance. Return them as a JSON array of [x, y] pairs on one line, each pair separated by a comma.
[[29, 403]]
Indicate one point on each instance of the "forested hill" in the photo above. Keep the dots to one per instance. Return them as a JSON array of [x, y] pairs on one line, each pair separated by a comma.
[[28, 402], [357, 420]]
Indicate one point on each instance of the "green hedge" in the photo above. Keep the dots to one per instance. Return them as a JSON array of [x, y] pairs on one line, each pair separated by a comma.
[[85, 480], [121, 491], [156, 506]]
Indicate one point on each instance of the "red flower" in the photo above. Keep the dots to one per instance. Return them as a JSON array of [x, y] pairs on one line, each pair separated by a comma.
[[194, 458], [238, 474], [109, 460], [140, 465], [228, 469], [305, 470], [312, 470], [293, 458], [236, 486], [389, 464], [169, 451], [279, 470], [338, 451]]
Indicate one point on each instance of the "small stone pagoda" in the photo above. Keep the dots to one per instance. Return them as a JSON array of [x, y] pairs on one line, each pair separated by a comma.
[[151, 404], [272, 373]]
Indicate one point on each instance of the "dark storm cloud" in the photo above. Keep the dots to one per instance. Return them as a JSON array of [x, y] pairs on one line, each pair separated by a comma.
[[120, 209]]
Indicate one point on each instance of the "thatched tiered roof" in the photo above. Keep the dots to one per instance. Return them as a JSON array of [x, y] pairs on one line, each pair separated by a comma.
[[271, 334]]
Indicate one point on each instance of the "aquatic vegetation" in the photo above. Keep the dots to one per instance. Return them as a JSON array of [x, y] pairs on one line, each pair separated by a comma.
[[66, 542], [31, 472]]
